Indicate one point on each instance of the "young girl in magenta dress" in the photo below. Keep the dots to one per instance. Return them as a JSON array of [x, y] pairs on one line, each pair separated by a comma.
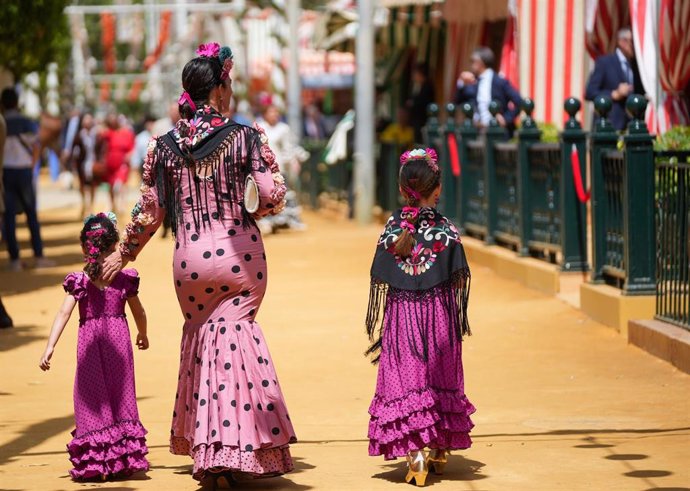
[[416, 319], [109, 439]]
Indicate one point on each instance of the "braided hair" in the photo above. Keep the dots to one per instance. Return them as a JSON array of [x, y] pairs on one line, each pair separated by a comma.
[[418, 180], [97, 237]]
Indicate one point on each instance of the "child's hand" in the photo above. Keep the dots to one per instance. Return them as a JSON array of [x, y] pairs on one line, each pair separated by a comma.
[[142, 341], [45, 359]]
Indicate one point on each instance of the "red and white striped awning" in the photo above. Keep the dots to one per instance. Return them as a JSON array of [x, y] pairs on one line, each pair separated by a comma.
[[551, 54]]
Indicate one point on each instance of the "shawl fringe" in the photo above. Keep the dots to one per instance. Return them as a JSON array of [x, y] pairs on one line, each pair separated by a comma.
[[454, 295], [224, 169]]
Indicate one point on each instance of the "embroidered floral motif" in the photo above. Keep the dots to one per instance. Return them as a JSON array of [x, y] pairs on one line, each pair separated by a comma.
[[434, 234], [189, 132]]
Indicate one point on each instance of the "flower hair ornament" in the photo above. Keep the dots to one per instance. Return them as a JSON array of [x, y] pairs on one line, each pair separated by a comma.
[[409, 215], [224, 55], [427, 154]]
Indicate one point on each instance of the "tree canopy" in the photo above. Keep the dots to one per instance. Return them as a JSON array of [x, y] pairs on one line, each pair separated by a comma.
[[33, 34]]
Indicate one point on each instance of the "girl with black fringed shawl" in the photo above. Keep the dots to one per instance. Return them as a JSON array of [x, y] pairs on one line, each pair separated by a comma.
[[417, 315]]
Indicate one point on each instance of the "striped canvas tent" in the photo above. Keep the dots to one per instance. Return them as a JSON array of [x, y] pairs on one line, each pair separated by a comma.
[[552, 55]]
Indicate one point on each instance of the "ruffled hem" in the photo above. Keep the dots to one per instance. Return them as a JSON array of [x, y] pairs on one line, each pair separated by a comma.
[[117, 449], [262, 462], [426, 418]]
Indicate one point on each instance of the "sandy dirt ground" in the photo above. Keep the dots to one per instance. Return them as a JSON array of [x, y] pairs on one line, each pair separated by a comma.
[[563, 403]]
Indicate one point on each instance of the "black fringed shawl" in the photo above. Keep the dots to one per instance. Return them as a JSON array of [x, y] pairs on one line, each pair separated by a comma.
[[436, 269], [220, 151]]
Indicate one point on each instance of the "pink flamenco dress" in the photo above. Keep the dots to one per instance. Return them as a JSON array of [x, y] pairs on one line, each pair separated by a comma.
[[416, 319], [108, 439], [229, 412]]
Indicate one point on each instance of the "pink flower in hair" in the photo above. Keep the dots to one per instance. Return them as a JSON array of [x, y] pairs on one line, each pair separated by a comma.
[[428, 154], [208, 50]]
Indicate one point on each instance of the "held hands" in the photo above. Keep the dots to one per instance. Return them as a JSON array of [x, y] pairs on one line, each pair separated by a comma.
[[112, 265], [501, 120], [142, 341], [45, 359]]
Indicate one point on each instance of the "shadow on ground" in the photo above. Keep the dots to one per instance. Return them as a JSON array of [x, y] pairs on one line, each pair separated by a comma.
[[19, 336], [459, 468]]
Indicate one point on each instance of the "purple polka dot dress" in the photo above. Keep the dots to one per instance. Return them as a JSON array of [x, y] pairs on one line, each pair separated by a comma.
[[229, 412], [417, 316], [108, 438]]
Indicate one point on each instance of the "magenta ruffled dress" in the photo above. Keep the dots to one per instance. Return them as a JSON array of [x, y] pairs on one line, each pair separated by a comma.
[[416, 319], [108, 438]]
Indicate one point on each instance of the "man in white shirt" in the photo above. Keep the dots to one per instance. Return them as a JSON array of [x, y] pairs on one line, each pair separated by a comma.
[[482, 84]]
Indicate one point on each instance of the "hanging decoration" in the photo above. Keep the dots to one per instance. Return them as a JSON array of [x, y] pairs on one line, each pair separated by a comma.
[[135, 90], [108, 41], [163, 36], [105, 91]]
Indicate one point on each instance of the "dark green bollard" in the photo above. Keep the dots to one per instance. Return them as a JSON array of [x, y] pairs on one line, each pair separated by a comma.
[[603, 139], [574, 213], [494, 133], [528, 135], [638, 206], [467, 132]]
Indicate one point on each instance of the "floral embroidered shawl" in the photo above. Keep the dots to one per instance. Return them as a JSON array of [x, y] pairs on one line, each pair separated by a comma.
[[435, 269]]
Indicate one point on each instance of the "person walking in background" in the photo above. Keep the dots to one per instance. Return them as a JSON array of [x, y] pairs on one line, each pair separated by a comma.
[[5, 319], [400, 132], [21, 154], [168, 122], [314, 123], [421, 95], [289, 157], [229, 413], [85, 161], [118, 144], [482, 84], [616, 75], [108, 439], [141, 143], [420, 285]]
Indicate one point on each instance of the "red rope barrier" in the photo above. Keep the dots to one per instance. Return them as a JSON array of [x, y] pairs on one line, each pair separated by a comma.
[[582, 195], [454, 154]]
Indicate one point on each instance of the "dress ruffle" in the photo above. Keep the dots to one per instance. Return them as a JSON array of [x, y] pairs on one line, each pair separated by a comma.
[[429, 417], [263, 462], [117, 449]]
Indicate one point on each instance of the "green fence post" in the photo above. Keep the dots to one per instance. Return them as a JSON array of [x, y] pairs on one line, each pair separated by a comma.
[[527, 136], [467, 132], [494, 133], [392, 174], [573, 212], [638, 205], [603, 139]]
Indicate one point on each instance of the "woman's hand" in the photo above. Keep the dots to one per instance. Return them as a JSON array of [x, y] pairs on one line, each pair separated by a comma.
[[45, 359], [142, 341], [112, 265]]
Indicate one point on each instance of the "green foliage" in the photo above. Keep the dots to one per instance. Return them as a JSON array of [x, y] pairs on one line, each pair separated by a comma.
[[34, 33], [549, 132], [677, 138]]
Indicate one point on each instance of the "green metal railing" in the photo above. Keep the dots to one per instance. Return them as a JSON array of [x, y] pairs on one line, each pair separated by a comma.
[[387, 167], [507, 210], [672, 217], [312, 178], [543, 204], [613, 171]]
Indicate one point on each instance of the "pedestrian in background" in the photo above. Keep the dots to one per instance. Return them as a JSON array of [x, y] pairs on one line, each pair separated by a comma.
[[5, 319], [616, 75], [481, 85], [21, 154]]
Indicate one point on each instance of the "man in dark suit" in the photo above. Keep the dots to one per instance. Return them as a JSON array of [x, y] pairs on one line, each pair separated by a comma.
[[616, 75], [421, 95], [481, 85]]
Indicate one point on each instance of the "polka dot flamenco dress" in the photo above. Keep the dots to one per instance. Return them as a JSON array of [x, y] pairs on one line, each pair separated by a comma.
[[109, 438], [229, 411], [416, 319]]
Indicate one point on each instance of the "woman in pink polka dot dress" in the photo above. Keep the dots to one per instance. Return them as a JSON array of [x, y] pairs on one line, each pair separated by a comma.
[[229, 414], [416, 319], [109, 439]]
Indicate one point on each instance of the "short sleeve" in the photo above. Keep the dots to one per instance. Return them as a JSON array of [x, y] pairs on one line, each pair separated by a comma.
[[130, 282], [74, 285]]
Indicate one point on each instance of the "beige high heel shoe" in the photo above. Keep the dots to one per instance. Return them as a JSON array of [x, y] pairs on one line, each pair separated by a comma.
[[417, 468], [437, 460]]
